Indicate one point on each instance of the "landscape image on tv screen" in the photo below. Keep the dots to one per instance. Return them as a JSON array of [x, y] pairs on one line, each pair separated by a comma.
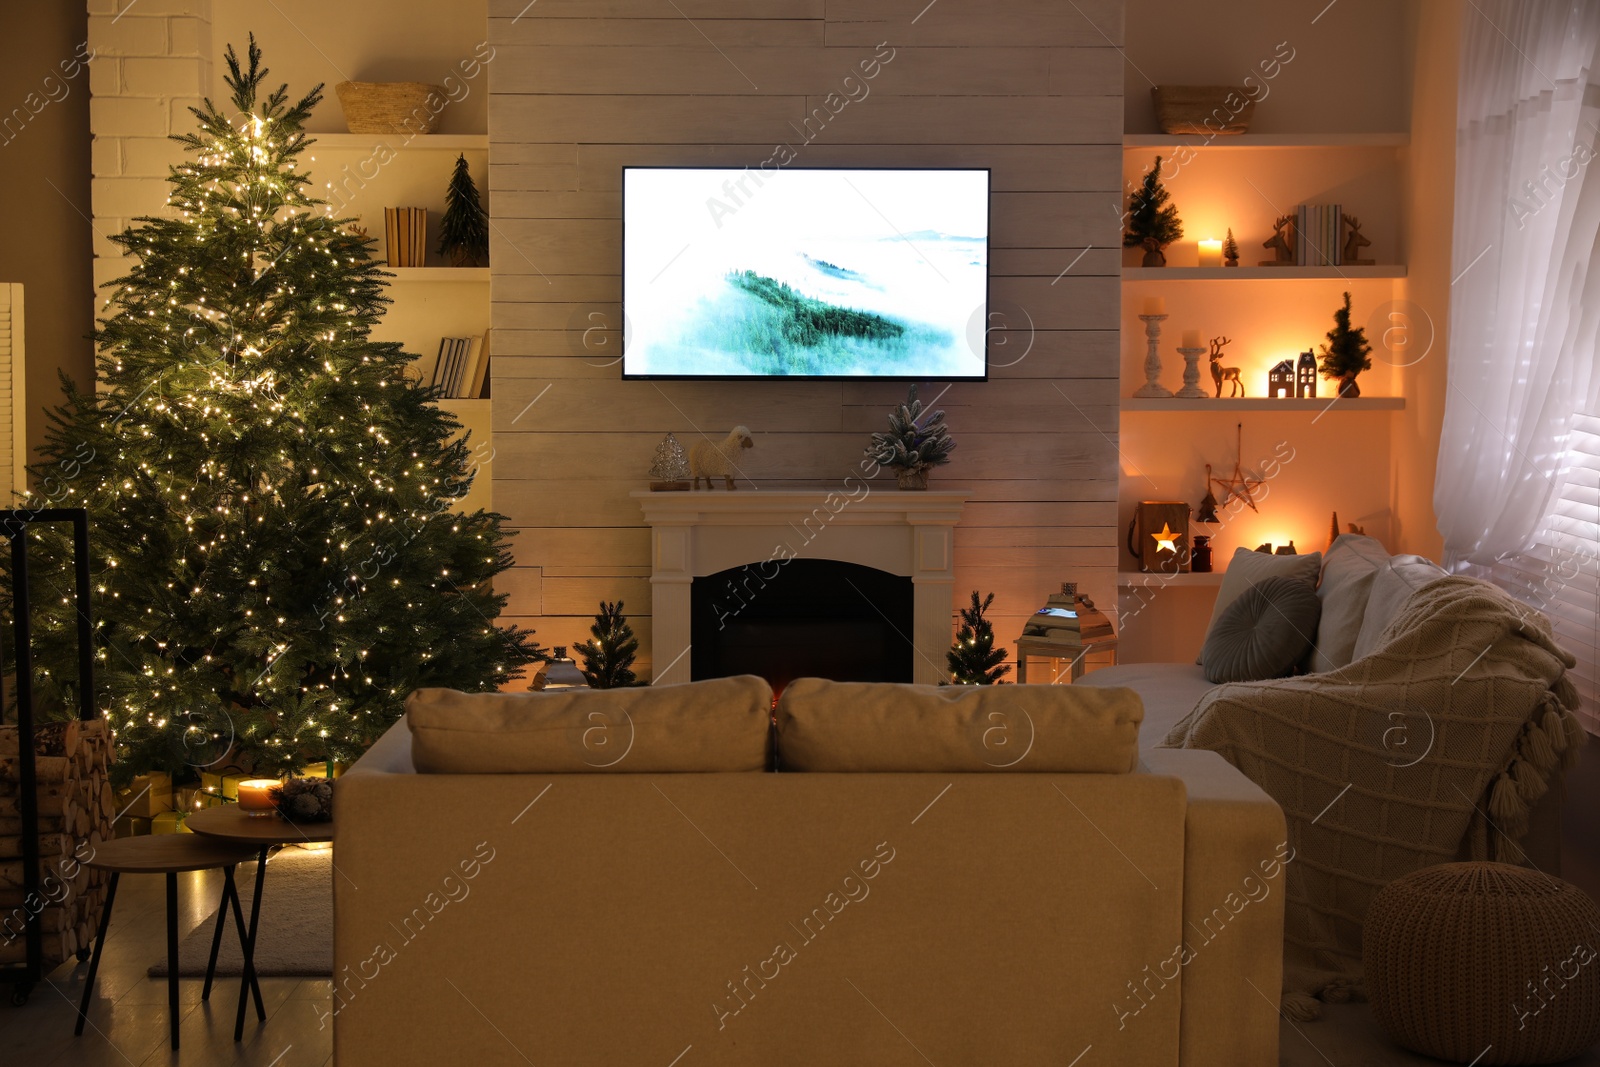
[[737, 272]]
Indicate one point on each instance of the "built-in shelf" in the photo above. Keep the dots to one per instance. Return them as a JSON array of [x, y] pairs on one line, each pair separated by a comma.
[[1280, 274], [454, 142], [1266, 140], [439, 274], [1263, 403], [1134, 579]]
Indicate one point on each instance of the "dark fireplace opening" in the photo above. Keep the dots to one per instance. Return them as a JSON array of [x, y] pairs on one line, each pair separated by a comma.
[[804, 618]]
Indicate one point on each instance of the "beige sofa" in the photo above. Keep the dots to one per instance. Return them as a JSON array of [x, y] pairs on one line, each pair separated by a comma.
[[1363, 588], [954, 917]]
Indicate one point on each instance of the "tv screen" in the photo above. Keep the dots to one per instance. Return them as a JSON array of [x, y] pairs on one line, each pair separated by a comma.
[[805, 273]]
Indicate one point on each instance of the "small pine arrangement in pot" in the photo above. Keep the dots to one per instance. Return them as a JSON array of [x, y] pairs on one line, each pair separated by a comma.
[[608, 658], [913, 445], [1347, 352], [1230, 251], [1153, 224], [973, 658], [464, 229]]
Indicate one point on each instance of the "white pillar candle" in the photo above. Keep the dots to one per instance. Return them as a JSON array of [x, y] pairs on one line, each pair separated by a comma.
[[255, 796], [1211, 252], [1191, 338], [1155, 305]]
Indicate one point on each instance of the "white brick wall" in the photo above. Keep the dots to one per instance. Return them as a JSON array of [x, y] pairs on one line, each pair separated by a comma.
[[151, 64]]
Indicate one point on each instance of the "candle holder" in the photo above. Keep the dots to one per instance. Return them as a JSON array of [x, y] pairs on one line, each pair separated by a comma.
[[1191, 374], [255, 797], [1152, 359]]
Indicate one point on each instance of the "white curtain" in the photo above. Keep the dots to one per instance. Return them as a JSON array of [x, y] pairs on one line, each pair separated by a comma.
[[1524, 303]]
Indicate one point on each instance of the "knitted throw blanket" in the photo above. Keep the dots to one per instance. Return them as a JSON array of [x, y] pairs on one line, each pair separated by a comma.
[[1432, 748]]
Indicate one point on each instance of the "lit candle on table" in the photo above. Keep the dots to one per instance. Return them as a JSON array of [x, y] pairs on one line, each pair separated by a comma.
[[1211, 252], [255, 796]]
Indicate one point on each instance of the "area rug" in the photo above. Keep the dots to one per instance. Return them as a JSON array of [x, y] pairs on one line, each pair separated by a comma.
[[295, 938]]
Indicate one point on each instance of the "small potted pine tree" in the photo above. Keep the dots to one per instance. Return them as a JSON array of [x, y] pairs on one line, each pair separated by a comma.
[[1347, 352], [973, 659], [464, 230], [1230, 251], [913, 445], [1153, 223], [608, 658]]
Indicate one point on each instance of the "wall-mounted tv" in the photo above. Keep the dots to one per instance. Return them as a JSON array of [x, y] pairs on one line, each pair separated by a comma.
[[805, 273]]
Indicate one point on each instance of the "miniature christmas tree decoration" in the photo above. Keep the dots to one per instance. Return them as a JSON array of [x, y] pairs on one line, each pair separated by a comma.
[[1230, 251], [670, 471], [973, 659], [608, 659], [278, 556], [1153, 224], [1347, 352], [464, 230], [913, 444]]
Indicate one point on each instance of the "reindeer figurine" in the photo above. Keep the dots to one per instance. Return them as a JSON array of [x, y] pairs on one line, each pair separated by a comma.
[[1354, 243], [1219, 373], [1281, 242]]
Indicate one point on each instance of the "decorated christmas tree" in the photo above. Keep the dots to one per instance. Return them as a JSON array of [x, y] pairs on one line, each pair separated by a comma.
[[1347, 352], [973, 658], [1153, 224], [1230, 250], [464, 230], [276, 562], [608, 659]]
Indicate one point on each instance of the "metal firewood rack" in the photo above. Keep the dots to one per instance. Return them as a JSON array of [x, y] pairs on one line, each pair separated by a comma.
[[14, 527]]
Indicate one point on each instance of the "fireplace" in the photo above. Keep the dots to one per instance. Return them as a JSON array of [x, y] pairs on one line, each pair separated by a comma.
[[818, 618], [886, 534]]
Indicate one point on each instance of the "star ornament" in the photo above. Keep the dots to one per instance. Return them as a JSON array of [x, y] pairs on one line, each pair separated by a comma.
[[1167, 539]]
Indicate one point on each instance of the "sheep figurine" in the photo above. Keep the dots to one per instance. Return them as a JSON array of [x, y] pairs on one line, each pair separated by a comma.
[[708, 459]]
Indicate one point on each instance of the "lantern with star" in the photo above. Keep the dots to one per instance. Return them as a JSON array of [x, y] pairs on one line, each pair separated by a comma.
[[1158, 537]]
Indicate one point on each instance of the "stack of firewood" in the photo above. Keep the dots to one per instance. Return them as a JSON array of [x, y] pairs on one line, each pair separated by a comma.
[[76, 809]]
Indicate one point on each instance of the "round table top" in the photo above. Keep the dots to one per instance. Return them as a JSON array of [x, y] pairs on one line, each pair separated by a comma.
[[228, 823], [168, 854]]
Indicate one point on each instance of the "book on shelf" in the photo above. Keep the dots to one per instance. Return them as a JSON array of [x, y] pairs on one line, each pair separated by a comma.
[[460, 368], [1317, 235]]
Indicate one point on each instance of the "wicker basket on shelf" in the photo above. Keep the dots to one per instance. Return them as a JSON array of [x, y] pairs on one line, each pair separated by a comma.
[[389, 107], [1203, 109]]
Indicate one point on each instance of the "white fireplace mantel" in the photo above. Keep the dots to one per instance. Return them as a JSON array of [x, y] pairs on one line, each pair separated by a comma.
[[696, 534]]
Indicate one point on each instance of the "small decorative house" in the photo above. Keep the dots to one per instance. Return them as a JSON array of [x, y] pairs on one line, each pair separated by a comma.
[[1305, 375], [1280, 380]]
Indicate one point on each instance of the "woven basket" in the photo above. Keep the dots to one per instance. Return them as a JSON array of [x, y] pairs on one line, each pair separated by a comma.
[[1203, 109], [1467, 957], [389, 107]]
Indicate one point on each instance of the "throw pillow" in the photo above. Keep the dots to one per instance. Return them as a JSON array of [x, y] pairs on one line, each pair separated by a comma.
[[1351, 563], [876, 726], [717, 725], [1249, 567], [1263, 633], [1391, 589]]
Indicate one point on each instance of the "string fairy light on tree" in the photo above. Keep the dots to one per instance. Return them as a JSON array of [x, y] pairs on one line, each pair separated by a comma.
[[277, 564]]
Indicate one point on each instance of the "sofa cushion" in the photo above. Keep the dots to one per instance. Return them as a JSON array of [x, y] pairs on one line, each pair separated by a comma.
[[717, 725], [1263, 633], [862, 726], [1169, 692], [1391, 588], [1348, 568], [1249, 567]]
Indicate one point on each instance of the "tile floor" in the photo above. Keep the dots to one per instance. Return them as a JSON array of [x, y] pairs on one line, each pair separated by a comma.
[[128, 1014]]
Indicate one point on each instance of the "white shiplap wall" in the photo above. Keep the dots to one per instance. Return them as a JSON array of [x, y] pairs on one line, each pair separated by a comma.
[[580, 88]]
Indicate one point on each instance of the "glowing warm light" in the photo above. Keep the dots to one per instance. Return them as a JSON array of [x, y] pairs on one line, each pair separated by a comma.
[[1166, 540], [1211, 252]]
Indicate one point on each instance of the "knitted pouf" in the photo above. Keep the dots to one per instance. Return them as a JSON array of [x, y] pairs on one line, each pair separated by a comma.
[[1465, 957]]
